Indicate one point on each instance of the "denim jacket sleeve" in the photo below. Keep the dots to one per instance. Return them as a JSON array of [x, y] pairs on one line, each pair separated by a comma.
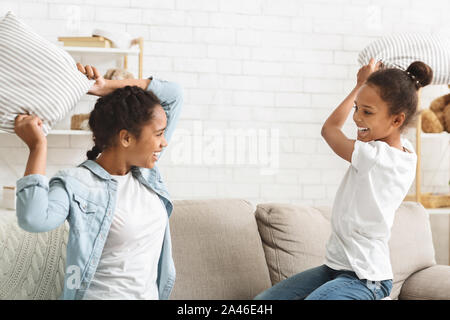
[[41, 205], [171, 96]]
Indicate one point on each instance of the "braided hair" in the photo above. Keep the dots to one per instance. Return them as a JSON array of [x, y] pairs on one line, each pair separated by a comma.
[[398, 88], [125, 108]]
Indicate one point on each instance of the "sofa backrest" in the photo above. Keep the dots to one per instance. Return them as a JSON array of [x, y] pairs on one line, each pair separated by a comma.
[[217, 250], [294, 239], [216, 247], [411, 243]]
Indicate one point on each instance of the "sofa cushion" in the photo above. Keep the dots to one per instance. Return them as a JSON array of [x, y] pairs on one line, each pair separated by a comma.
[[37, 77], [431, 283], [217, 250], [31, 264], [411, 243], [294, 239]]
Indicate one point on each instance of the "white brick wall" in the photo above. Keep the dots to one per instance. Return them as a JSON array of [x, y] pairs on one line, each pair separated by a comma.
[[253, 64]]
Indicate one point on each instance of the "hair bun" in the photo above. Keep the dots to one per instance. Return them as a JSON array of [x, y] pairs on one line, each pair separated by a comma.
[[93, 153], [421, 73]]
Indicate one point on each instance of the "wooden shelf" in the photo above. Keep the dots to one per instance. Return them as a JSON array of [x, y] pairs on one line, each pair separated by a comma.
[[443, 133], [139, 52], [70, 132], [63, 132], [419, 135], [134, 52], [7, 211], [438, 211]]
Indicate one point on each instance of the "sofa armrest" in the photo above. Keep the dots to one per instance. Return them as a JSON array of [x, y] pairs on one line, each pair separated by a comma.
[[432, 283]]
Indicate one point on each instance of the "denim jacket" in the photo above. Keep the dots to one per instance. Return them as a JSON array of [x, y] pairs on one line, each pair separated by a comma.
[[86, 197]]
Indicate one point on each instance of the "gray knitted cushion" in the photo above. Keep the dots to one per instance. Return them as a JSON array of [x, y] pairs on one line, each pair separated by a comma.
[[31, 264]]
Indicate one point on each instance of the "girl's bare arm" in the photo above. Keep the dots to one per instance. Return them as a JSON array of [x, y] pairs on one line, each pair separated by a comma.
[[104, 86], [332, 128]]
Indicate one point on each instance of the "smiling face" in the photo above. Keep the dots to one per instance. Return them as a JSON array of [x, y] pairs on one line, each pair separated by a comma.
[[144, 151], [372, 116]]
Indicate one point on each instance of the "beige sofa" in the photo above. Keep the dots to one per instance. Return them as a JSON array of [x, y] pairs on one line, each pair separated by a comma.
[[227, 249]]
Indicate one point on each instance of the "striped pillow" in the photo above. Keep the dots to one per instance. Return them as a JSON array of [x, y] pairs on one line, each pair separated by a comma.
[[36, 77], [400, 50]]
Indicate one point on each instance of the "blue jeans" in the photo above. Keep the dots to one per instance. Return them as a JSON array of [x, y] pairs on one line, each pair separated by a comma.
[[324, 283]]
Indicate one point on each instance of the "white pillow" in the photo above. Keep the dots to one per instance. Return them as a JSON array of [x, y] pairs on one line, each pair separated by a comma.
[[400, 50], [36, 77]]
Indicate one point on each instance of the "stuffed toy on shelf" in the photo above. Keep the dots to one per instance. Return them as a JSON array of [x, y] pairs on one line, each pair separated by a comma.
[[118, 74], [436, 119]]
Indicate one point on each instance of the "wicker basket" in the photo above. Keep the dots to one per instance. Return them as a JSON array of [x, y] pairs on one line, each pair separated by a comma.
[[76, 122], [431, 201]]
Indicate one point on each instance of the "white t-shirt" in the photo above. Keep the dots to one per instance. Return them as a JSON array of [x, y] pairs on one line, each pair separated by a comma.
[[129, 262], [363, 212]]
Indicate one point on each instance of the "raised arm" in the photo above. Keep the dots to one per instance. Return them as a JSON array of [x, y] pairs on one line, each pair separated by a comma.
[[41, 206], [29, 129], [332, 128], [171, 96], [170, 93], [104, 86]]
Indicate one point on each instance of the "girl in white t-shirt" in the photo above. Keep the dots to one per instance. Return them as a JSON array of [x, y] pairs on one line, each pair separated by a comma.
[[357, 264]]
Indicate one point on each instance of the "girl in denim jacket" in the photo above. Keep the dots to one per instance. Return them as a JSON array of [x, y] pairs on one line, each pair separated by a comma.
[[116, 203]]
